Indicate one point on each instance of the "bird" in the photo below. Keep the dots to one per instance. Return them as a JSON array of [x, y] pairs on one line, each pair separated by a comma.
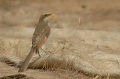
[[40, 35]]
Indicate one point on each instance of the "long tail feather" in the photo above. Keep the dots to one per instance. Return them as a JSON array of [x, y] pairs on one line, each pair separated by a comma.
[[25, 64]]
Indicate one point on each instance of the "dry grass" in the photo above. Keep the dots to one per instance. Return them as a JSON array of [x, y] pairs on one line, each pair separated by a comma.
[[100, 57], [96, 40]]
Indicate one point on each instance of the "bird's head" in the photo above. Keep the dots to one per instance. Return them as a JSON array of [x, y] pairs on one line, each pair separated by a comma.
[[46, 17]]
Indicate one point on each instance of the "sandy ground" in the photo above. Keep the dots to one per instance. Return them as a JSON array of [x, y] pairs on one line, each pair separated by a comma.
[[18, 19]]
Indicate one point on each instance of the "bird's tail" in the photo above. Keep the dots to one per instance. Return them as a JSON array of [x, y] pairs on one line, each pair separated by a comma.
[[26, 62]]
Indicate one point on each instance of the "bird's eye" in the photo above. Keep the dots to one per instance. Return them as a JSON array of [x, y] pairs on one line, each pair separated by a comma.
[[46, 15]]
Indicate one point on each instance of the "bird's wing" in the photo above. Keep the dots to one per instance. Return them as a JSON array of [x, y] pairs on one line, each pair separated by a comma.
[[41, 31]]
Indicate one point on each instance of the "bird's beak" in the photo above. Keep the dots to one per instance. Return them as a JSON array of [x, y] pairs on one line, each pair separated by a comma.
[[51, 15]]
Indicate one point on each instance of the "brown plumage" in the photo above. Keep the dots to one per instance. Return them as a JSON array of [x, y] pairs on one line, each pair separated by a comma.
[[41, 33]]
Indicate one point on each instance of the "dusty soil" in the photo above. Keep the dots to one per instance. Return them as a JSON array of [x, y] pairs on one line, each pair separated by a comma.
[[18, 19]]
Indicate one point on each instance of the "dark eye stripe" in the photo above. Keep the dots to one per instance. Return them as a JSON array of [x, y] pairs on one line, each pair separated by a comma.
[[46, 14]]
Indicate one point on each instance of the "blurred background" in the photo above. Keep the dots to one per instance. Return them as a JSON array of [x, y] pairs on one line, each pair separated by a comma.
[[97, 33], [94, 14]]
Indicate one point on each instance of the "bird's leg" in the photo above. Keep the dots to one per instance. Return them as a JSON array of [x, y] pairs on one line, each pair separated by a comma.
[[37, 52]]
